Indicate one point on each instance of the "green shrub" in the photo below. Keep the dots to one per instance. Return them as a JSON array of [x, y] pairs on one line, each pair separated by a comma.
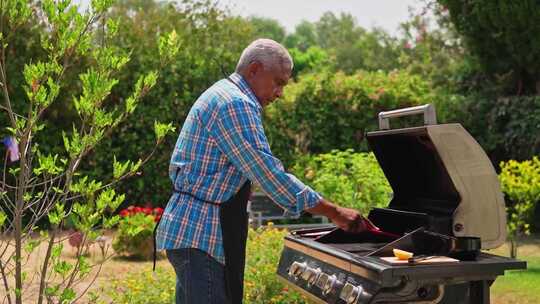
[[134, 237], [261, 283], [349, 179], [143, 288], [520, 182], [327, 111], [507, 128]]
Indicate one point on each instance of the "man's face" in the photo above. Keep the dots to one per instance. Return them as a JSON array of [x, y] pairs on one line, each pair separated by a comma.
[[267, 83]]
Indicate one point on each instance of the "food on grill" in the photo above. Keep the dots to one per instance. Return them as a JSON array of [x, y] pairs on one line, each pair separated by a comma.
[[402, 254]]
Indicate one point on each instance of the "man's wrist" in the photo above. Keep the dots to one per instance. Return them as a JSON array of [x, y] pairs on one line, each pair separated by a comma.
[[325, 208]]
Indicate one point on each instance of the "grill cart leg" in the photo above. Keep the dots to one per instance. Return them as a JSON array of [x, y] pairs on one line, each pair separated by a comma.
[[474, 292], [480, 292]]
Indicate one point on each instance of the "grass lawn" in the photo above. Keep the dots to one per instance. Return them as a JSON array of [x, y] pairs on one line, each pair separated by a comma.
[[521, 287]]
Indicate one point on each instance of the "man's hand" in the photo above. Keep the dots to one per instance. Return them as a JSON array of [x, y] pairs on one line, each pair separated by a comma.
[[347, 219]]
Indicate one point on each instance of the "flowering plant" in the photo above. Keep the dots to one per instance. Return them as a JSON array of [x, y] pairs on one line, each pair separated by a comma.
[[135, 231], [133, 210]]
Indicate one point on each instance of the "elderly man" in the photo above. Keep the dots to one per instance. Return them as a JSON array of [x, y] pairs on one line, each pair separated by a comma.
[[220, 151]]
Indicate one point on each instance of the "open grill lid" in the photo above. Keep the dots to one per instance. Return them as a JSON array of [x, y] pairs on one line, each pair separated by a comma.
[[441, 170]]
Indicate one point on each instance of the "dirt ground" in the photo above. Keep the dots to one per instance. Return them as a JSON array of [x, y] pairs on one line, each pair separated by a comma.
[[114, 268]]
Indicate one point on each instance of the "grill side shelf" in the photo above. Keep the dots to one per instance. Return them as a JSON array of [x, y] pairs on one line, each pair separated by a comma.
[[487, 266]]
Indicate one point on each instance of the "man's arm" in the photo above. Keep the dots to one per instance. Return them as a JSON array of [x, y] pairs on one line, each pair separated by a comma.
[[239, 134]]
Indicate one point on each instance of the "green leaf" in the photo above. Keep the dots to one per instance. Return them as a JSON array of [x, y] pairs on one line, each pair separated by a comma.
[[14, 171], [27, 197], [109, 223], [161, 130], [84, 266], [3, 218], [52, 291], [120, 168], [31, 245], [169, 46], [104, 199], [62, 268], [57, 215], [100, 6], [56, 251]]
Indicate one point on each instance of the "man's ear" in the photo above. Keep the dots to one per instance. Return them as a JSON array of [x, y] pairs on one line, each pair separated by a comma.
[[254, 68]]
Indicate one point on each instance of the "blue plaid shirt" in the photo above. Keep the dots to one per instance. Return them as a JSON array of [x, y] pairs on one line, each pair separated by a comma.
[[221, 146]]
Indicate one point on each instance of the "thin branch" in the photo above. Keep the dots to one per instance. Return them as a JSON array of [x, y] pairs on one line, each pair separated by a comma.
[[119, 179], [92, 282], [4, 87], [6, 284], [45, 267]]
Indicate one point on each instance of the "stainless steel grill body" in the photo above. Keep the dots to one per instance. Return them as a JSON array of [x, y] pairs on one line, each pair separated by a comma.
[[442, 182]]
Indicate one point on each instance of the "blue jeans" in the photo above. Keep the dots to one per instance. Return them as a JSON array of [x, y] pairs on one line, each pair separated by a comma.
[[200, 279]]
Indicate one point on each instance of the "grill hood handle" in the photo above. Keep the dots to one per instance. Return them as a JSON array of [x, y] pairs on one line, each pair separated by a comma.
[[430, 117]]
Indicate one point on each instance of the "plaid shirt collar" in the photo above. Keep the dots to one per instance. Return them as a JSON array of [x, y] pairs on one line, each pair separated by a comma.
[[242, 84]]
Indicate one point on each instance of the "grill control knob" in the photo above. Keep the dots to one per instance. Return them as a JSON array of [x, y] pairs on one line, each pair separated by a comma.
[[329, 284], [297, 269], [311, 275], [350, 293], [321, 281]]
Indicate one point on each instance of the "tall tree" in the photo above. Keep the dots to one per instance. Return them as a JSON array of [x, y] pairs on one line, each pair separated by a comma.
[[505, 37], [267, 28]]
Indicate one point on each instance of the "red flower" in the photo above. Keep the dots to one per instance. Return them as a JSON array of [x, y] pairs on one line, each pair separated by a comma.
[[147, 211], [157, 218], [124, 213], [158, 211], [137, 209]]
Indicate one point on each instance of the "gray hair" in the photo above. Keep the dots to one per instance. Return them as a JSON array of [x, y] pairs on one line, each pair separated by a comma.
[[266, 51]]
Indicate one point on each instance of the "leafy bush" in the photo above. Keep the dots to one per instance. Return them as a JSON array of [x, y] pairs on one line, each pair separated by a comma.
[[349, 179], [520, 181], [143, 288], [261, 283], [504, 127], [312, 60], [134, 236], [327, 111]]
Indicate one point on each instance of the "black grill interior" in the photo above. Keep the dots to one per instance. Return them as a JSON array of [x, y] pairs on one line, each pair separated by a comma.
[[415, 171]]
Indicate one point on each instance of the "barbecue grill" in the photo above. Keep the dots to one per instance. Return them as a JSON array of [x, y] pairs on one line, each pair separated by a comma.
[[446, 203]]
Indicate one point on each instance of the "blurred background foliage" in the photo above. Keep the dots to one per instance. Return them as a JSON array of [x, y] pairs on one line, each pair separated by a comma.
[[477, 61]]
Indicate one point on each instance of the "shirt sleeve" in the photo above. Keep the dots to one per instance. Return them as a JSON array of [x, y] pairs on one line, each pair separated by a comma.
[[239, 134]]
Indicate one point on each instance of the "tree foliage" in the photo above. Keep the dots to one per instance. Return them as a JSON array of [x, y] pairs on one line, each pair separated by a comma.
[[45, 184], [505, 37], [267, 28], [520, 183], [353, 180], [326, 111], [211, 43]]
